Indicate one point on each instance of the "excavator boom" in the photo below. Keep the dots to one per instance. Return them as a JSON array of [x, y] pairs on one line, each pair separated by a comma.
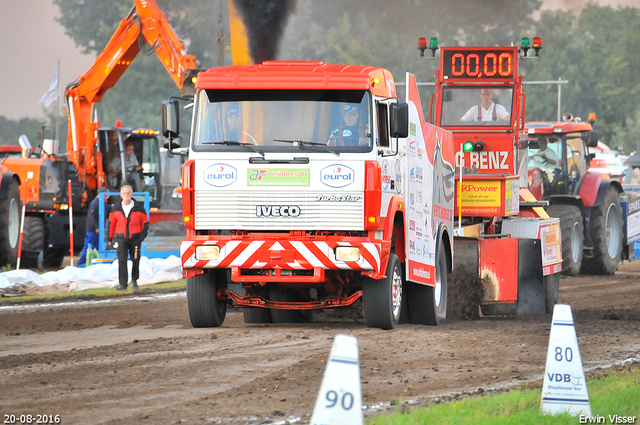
[[145, 25]]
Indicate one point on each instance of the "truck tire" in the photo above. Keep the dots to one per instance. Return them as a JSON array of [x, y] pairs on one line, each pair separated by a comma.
[[257, 314], [32, 241], [205, 309], [382, 299], [428, 304], [53, 257], [606, 234], [572, 231], [10, 225], [33, 234], [287, 295], [551, 290]]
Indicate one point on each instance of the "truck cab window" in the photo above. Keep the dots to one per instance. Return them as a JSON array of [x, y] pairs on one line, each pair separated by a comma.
[[383, 124]]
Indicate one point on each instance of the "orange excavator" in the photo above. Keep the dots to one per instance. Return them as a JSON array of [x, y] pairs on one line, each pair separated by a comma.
[[146, 25], [95, 154]]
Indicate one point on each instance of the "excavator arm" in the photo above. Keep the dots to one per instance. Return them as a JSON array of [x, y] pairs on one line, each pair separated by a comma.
[[147, 25]]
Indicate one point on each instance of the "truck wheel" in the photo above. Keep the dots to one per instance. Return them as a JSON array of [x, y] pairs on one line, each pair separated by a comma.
[[551, 290], [572, 237], [428, 304], [257, 314], [10, 225], [53, 257], [382, 299], [606, 234], [32, 241], [287, 295], [206, 310]]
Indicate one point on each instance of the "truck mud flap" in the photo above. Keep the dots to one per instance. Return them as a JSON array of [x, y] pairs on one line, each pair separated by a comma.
[[531, 297], [511, 273]]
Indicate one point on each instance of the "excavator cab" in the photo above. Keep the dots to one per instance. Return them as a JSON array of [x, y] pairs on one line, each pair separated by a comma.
[[139, 151]]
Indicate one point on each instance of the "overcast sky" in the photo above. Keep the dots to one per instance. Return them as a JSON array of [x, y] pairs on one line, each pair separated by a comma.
[[31, 42]]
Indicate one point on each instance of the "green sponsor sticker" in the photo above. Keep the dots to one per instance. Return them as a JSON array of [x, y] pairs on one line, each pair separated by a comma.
[[277, 177]]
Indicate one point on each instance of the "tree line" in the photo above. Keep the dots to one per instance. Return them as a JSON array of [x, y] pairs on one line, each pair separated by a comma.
[[593, 49]]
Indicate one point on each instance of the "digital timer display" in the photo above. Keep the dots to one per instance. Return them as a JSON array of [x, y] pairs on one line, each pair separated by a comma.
[[476, 64]]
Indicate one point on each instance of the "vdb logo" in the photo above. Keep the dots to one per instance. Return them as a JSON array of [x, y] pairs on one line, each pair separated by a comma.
[[220, 175], [337, 175]]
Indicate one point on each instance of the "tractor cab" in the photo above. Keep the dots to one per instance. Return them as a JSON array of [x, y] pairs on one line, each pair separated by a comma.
[[558, 157], [139, 151]]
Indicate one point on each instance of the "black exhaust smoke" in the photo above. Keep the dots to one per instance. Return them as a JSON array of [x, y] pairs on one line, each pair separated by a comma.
[[265, 21]]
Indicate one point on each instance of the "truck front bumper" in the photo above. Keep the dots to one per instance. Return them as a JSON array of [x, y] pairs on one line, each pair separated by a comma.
[[276, 258]]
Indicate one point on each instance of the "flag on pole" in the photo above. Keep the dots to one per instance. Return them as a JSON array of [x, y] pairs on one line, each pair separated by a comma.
[[51, 96]]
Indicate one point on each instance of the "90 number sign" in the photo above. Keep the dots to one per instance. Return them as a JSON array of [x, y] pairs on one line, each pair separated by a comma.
[[498, 64]]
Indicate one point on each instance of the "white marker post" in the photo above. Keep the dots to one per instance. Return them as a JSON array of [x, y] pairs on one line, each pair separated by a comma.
[[340, 398], [564, 389]]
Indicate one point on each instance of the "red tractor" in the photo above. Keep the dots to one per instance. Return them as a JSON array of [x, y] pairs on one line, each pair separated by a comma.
[[587, 202]]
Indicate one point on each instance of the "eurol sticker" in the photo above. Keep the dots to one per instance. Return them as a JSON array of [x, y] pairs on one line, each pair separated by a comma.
[[337, 175], [220, 175]]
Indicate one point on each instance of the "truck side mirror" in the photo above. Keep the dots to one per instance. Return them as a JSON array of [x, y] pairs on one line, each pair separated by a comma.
[[399, 125], [172, 143], [591, 138], [170, 120], [534, 144]]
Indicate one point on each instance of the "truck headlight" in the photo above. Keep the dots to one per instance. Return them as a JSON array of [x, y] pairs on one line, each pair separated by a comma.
[[207, 252], [347, 253]]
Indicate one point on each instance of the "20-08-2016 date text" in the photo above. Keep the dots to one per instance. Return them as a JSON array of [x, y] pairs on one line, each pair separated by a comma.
[[31, 419]]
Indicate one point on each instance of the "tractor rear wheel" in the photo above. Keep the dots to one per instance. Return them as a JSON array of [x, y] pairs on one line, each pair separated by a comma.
[[10, 225], [206, 309], [606, 234], [572, 236]]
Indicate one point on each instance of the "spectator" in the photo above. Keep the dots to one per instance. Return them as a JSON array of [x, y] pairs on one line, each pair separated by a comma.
[[93, 225], [129, 227]]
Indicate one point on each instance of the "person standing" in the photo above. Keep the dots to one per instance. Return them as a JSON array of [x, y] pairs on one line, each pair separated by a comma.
[[93, 224], [129, 227]]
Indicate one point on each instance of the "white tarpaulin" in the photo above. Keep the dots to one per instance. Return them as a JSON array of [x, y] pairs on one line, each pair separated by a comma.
[[154, 270]]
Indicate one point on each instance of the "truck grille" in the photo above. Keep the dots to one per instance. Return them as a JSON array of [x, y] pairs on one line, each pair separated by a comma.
[[225, 210]]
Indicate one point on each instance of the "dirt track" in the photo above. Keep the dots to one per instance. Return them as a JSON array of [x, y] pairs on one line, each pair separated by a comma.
[[139, 361]]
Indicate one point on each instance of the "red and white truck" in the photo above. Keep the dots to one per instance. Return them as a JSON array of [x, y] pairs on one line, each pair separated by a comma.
[[305, 208]]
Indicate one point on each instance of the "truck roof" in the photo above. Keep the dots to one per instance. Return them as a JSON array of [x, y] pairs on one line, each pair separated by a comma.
[[547, 127], [299, 75]]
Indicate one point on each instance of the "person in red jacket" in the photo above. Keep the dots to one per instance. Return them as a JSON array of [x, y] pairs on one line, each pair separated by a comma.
[[129, 227]]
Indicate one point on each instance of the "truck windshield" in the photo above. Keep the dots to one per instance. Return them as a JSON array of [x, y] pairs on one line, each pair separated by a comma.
[[283, 121], [476, 106]]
